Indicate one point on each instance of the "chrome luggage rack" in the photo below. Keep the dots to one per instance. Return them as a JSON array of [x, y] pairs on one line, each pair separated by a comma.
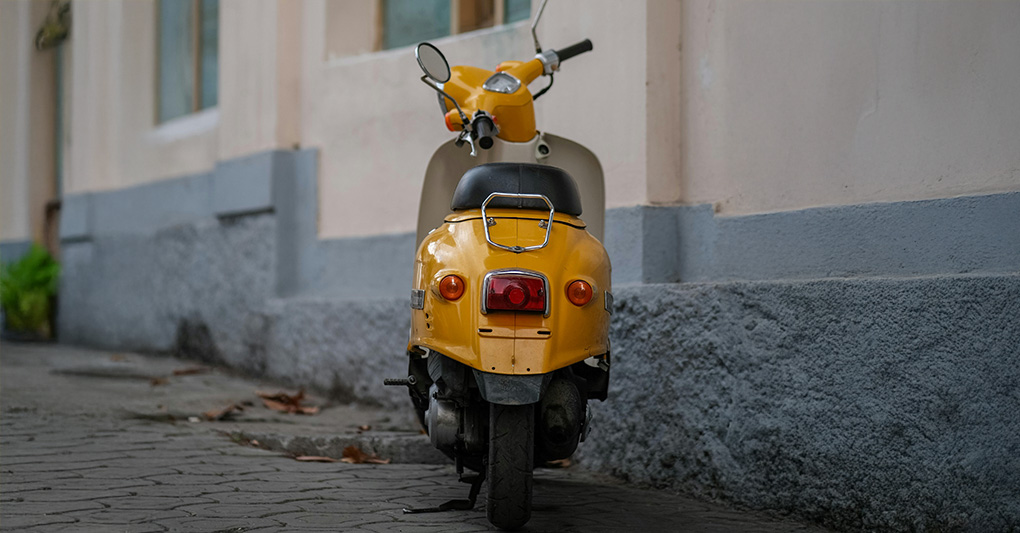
[[518, 249]]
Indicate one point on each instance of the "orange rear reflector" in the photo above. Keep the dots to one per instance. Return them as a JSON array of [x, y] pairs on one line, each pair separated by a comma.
[[451, 287], [579, 292]]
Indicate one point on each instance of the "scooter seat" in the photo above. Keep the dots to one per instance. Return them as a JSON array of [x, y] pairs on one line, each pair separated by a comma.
[[518, 178]]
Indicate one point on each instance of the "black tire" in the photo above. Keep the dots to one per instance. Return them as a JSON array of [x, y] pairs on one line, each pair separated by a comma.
[[511, 465]]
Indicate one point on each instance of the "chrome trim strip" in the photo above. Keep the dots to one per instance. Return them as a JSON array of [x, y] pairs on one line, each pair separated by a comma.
[[515, 272], [514, 83], [518, 249]]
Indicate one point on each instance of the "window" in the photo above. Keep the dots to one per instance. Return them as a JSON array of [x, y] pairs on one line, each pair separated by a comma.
[[188, 56], [408, 22]]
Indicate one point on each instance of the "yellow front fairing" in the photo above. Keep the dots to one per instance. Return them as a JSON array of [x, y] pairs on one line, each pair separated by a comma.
[[506, 342], [514, 112]]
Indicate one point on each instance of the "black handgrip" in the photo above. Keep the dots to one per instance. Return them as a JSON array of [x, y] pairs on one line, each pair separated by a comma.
[[574, 49], [484, 130]]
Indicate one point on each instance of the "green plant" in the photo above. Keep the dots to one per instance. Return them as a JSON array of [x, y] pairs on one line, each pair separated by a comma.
[[27, 288]]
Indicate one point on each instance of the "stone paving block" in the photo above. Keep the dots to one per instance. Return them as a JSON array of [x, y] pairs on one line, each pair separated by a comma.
[[59, 495], [50, 507], [297, 487], [206, 524], [87, 527], [126, 516], [47, 522], [207, 468], [338, 521], [99, 484], [134, 502]]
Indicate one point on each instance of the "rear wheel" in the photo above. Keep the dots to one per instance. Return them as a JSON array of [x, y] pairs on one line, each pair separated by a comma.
[[511, 462]]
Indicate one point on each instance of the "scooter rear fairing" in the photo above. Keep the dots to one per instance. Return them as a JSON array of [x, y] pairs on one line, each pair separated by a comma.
[[505, 342]]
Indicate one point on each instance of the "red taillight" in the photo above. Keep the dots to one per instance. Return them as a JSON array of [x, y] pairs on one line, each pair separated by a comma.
[[514, 292]]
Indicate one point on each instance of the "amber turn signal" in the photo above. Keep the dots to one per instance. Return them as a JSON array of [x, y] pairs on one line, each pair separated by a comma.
[[451, 287], [579, 292]]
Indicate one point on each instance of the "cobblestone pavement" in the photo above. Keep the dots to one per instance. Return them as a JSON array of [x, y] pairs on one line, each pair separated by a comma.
[[84, 447]]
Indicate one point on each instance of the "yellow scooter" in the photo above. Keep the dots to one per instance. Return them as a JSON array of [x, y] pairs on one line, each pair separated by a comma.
[[511, 299]]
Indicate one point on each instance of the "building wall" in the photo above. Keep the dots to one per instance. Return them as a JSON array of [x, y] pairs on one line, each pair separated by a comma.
[[795, 104], [27, 168]]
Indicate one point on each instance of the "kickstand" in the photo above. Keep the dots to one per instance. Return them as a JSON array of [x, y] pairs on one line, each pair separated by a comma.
[[456, 505]]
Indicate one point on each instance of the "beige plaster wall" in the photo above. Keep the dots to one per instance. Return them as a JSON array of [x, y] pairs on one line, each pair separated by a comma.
[[752, 106], [27, 163], [117, 140], [377, 124], [791, 104]]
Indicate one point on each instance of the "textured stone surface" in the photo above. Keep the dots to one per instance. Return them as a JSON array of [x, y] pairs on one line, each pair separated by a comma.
[[346, 347], [188, 288], [858, 403]]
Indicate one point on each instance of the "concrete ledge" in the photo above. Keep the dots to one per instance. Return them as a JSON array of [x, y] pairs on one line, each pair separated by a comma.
[[399, 448], [75, 217], [11, 251], [244, 185], [370, 267]]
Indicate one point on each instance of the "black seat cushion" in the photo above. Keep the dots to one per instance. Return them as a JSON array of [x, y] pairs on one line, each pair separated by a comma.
[[519, 178]]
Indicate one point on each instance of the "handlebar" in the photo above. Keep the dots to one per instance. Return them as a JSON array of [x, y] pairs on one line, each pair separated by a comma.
[[574, 49]]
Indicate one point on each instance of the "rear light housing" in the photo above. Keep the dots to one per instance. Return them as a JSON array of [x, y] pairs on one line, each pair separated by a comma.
[[579, 292], [451, 287], [515, 290]]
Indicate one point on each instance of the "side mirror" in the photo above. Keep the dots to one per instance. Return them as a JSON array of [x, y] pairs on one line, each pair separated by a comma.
[[432, 62]]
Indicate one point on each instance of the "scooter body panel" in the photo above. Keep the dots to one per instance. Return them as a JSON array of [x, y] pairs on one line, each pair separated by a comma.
[[506, 342]]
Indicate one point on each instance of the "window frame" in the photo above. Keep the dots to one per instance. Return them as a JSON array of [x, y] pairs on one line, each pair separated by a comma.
[[195, 26], [464, 18]]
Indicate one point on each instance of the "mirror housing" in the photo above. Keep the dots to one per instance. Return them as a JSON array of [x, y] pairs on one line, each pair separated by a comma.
[[432, 62]]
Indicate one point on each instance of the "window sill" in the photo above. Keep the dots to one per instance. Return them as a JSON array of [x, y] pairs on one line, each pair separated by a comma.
[[192, 125]]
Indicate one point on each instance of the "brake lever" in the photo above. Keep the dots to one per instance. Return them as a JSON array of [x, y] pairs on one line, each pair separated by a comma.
[[465, 135]]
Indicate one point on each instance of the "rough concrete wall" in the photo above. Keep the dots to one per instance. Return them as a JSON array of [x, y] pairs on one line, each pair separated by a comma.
[[861, 404], [188, 288], [345, 347]]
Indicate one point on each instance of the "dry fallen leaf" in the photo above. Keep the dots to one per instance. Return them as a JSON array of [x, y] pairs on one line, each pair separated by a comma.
[[190, 370], [559, 463], [365, 427], [286, 403], [254, 442], [221, 414], [118, 357], [353, 455], [315, 459], [156, 381]]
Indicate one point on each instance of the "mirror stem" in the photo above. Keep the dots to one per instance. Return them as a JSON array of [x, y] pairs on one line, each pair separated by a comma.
[[463, 118], [538, 47]]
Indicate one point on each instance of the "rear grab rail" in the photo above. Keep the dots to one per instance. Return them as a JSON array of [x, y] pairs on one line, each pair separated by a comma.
[[489, 222]]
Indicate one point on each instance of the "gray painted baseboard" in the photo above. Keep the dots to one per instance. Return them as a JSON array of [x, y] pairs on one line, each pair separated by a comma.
[[971, 234], [11, 251]]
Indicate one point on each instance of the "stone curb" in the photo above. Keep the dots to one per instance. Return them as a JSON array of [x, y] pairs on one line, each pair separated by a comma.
[[398, 447]]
